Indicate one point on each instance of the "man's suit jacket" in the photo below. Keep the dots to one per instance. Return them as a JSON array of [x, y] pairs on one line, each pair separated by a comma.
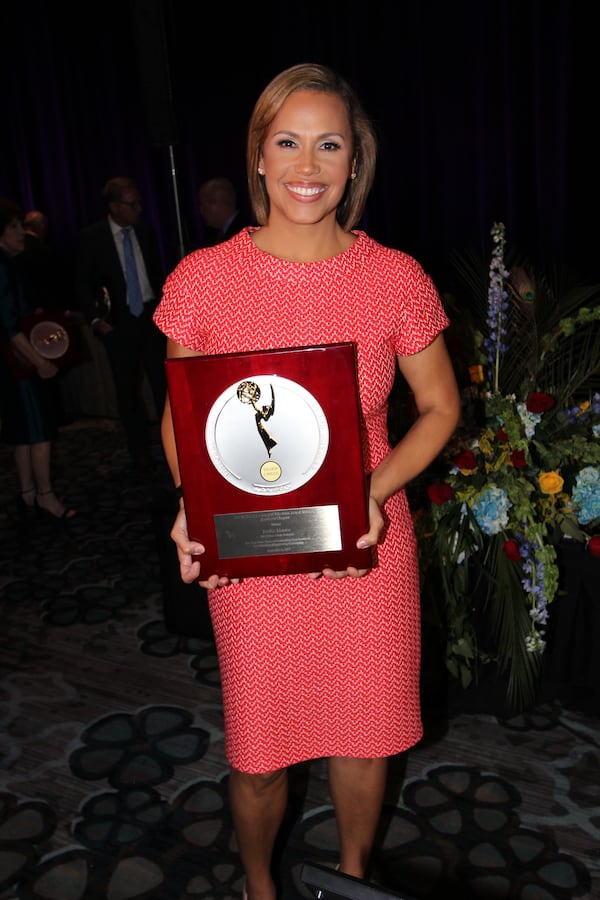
[[98, 269], [214, 236]]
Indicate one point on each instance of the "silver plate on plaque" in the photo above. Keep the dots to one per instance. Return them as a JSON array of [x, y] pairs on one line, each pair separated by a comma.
[[266, 435]]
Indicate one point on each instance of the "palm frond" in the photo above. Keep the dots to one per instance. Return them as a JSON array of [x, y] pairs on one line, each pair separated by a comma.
[[570, 358], [541, 351]]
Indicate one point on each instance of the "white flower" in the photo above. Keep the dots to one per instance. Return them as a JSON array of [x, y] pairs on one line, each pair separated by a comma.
[[534, 643], [529, 419]]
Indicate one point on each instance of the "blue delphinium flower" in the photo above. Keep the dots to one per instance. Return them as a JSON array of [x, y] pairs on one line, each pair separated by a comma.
[[583, 412], [497, 305], [534, 585]]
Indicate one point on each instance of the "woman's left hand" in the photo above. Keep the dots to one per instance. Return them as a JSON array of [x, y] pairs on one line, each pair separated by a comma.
[[370, 539]]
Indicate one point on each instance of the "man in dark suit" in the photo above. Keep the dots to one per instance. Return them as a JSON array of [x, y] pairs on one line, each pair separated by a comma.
[[119, 281], [217, 202]]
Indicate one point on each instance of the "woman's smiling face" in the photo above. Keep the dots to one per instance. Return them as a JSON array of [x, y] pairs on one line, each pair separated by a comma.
[[307, 157]]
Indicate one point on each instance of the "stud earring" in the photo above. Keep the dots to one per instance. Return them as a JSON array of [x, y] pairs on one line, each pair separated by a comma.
[[261, 171], [353, 175]]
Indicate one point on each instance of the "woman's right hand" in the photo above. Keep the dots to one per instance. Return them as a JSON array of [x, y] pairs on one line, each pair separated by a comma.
[[188, 551], [47, 369]]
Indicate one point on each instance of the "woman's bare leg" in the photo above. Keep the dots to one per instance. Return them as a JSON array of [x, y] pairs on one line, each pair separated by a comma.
[[41, 458], [357, 788], [258, 804], [41, 455], [24, 467]]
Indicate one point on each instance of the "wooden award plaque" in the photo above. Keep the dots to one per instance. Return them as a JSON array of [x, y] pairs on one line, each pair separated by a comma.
[[270, 455], [52, 333]]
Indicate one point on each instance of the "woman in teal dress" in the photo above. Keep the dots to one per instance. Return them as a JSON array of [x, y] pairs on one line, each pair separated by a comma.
[[27, 409]]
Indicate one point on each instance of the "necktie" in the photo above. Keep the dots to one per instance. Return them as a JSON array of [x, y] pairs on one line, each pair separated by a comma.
[[134, 291]]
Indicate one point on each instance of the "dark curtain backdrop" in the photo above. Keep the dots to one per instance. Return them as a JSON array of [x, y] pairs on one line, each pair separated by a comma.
[[486, 111]]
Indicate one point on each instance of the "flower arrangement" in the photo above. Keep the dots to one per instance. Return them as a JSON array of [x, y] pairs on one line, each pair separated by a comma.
[[522, 472]]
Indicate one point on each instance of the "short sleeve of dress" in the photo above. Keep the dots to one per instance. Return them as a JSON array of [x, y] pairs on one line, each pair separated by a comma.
[[422, 315], [177, 314]]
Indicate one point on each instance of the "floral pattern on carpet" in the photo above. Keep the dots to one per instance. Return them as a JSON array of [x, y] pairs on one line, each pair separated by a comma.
[[113, 779]]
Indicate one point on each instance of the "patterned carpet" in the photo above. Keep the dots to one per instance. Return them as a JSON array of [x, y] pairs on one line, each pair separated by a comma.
[[113, 777]]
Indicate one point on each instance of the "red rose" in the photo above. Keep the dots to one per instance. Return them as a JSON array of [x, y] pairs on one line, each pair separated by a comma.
[[539, 403], [511, 548], [439, 492], [517, 458], [465, 460], [594, 545], [502, 435]]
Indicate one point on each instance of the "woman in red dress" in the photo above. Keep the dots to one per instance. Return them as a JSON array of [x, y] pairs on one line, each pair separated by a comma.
[[324, 664]]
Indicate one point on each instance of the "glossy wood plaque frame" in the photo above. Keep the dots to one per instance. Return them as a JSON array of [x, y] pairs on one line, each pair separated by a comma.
[[291, 418]]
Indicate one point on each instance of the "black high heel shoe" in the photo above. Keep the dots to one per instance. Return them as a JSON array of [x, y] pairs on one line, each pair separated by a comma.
[[66, 516]]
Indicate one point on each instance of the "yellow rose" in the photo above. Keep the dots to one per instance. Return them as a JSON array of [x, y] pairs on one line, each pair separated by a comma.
[[476, 374], [550, 483]]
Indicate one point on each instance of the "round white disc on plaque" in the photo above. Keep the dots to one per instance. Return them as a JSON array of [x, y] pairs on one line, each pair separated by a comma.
[[266, 435]]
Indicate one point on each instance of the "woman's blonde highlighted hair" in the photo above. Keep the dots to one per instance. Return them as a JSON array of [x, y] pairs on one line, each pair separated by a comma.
[[321, 79]]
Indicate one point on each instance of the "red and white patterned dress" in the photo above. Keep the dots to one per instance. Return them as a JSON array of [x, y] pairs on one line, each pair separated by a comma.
[[312, 669]]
